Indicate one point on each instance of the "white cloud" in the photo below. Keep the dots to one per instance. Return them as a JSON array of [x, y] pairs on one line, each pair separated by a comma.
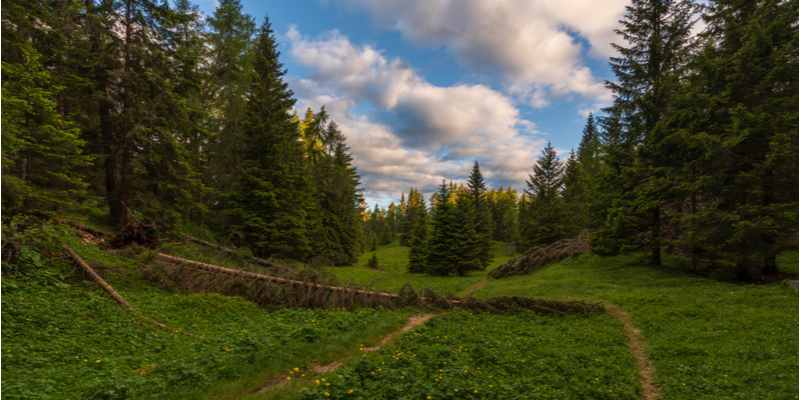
[[402, 130], [527, 43]]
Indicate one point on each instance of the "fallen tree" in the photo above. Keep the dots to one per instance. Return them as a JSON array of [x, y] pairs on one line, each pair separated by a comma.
[[110, 290], [229, 251], [540, 257], [312, 289]]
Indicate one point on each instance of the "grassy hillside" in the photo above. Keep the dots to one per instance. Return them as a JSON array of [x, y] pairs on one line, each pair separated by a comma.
[[65, 338], [71, 341], [707, 339]]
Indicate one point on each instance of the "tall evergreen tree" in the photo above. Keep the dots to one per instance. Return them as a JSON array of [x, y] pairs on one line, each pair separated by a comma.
[[442, 258], [414, 208], [230, 67], [544, 214], [573, 196], [270, 202], [738, 136], [41, 150], [483, 224], [418, 246], [648, 73]]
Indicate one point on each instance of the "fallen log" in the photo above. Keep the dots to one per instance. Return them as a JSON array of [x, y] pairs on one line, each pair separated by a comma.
[[103, 284], [407, 293], [78, 260], [254, 276], [230, 251]]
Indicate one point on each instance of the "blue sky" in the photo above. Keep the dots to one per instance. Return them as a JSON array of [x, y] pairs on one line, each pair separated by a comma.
[[423, 88]]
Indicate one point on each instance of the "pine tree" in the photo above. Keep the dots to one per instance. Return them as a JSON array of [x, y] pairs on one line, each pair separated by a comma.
[[373, 262], [418, 246], [573, 196], [482, 225], [648, 75], [589, 148], [414, 208], [41, 150], [230, 68], [739, 137], [545, 211], [270, 204], [386, 234], [469, 245], [442, 258]]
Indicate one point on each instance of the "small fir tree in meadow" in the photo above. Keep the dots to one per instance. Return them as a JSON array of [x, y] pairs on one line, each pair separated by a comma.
[[373, 262]]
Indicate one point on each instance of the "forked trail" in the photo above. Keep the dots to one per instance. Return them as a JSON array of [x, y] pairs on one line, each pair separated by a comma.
[[413, 322], [636, 343]]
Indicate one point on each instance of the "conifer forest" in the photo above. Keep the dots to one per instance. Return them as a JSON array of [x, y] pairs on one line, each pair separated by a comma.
[[149, 107], [138, 132]]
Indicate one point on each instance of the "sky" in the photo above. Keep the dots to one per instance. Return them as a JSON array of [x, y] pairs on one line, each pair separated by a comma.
[[424, 88]]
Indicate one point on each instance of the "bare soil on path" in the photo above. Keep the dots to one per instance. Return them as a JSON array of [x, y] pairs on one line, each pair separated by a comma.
[[413, 322], [636, 344]]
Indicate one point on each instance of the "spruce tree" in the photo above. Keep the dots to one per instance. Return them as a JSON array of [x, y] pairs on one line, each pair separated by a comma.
[[41, 150], [442, 258], [270, 202], [739, 139], [483, 224], [229, 71], [573, 196], [648, 73], [386, 234], [545, 212], [418, 246], [373, 262]]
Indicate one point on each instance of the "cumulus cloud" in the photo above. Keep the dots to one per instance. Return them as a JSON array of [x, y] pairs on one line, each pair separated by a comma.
[[404, 131], [532, 44]]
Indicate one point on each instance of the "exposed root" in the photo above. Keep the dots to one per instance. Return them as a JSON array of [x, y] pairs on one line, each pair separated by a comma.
[[644, 365], [540, 257], [145, 235]]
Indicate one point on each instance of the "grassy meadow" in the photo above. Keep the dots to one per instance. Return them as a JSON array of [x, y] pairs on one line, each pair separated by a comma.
[[63, 338]]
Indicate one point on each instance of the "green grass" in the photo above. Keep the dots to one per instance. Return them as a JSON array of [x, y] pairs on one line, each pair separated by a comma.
[[74, 342], [466, 356], [394, 260], [707, 339], [788, 262]]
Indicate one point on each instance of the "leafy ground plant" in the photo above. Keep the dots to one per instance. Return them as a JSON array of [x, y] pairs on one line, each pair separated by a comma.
[[466, 356]]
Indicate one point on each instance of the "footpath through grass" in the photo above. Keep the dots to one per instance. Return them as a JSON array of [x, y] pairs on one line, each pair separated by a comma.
[[466, 356], [74, 342], [707, 339]]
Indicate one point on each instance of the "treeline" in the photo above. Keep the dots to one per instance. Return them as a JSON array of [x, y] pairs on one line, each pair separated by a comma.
[[153, 108], [697, 156]]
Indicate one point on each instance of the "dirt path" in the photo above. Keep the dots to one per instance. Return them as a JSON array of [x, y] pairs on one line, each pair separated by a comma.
[[636, 343], [413, 322], [474, 288]]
